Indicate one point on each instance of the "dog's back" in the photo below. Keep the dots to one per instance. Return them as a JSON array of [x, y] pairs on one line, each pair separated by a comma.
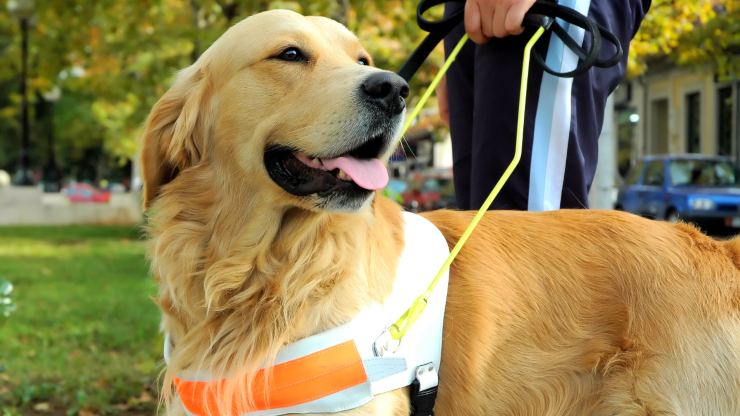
[[590, 312]]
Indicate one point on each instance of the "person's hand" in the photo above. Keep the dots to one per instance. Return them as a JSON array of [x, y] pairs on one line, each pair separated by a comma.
[[442, 103], [485, 19]]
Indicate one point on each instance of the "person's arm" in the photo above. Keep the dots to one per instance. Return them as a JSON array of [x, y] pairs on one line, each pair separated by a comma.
[[444, 109], [485, 19]]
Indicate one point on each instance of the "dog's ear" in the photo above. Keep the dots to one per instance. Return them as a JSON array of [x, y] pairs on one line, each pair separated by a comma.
[[176, 131]]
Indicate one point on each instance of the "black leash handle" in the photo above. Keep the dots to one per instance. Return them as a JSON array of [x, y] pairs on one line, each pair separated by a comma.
[[542, 13], [587, 58], [437, 31]]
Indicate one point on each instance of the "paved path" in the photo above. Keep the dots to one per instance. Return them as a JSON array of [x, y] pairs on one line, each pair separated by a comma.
[[30, 206]]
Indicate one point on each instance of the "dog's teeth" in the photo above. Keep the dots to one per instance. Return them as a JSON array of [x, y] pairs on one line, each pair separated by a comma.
[[316, 163], [343, 176]]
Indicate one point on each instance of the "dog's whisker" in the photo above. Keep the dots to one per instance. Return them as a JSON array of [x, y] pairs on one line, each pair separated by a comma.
[[405, 145]]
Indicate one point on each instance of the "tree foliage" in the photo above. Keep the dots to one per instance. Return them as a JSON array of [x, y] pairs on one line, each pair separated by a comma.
[[113, 59], [689, 32]]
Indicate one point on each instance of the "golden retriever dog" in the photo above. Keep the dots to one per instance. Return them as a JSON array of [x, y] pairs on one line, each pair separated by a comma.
[[261, 167]]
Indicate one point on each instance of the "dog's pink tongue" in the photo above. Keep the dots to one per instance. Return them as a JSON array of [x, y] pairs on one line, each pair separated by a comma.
[[369, 174]]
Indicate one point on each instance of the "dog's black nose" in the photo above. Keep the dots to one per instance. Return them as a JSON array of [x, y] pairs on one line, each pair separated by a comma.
[[387, 90]]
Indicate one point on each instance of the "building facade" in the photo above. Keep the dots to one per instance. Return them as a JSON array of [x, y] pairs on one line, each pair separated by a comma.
[[679, 110]]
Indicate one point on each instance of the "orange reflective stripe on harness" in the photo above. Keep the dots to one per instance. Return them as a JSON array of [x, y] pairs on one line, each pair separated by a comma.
[[291, 383]]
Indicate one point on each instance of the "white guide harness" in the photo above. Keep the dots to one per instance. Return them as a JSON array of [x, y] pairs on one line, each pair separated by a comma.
[[387, 364]]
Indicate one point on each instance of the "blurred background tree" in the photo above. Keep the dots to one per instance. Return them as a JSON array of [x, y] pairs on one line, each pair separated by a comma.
[[112, 59], [689, 32]]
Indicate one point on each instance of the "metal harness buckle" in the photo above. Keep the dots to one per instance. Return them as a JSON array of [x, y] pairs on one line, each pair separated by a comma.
[[424, 390]]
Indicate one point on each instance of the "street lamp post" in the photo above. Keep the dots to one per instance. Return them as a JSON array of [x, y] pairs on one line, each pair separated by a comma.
[[51, 177], [22, 10]]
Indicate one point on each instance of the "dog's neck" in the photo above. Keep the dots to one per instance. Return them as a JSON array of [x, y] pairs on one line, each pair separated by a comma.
[[239, 278]]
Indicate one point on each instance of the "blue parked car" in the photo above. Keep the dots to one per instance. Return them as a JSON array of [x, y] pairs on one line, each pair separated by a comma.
[[696, 188]]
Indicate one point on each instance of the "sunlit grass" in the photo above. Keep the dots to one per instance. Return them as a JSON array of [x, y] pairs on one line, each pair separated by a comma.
[[84, 335]]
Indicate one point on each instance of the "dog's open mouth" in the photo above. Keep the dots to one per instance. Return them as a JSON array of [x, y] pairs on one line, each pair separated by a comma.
[[301, 174]]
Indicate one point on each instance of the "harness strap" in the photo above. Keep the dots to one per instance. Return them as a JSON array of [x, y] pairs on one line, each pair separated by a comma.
[[422, 401], [339, 369], [291, 383], [423, 392]]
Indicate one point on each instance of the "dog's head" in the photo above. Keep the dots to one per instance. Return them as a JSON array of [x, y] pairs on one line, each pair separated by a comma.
[[282, 104]]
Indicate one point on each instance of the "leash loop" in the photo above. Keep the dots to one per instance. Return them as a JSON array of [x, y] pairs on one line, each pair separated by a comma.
[[543, 13], [437, 29]]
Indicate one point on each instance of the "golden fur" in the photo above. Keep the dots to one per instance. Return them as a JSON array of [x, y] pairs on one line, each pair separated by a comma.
[[559, 313]]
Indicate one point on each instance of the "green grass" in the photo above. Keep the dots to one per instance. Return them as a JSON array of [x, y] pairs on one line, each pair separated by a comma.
[[84, 336]]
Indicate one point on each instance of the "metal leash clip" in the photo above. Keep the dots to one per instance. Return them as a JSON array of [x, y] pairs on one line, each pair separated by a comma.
[[385, 344]]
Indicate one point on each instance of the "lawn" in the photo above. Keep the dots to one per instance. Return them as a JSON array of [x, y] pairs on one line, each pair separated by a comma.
[[83, 339]]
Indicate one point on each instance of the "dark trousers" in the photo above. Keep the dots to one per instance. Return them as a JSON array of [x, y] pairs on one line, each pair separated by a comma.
[[562, 122]]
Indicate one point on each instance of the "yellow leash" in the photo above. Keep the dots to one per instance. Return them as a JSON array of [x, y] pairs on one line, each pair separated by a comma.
[[399, 328]]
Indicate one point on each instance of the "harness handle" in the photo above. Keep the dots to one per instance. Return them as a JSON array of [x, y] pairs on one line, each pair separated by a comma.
[[543, 13]]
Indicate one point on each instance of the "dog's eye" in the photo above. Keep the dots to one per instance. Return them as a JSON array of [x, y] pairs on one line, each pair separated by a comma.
[[292, 54], [363, 61]]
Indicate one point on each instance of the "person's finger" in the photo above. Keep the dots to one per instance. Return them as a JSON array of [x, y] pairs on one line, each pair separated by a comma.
[[473, 22], [487, 11], [499, 19], [515, 16]]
